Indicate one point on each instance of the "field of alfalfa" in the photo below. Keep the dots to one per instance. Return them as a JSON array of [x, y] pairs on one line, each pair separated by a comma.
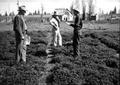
[[98, 63]]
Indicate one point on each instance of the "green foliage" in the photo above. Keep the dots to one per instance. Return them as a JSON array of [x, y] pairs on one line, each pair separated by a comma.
[[96, 64], [4, 45]]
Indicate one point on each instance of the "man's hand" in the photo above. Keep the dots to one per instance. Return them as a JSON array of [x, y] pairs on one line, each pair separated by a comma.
[[68, 23], [22, 37], [56, 28]]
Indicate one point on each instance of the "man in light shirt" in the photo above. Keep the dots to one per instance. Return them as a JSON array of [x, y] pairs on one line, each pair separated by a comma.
[[77, 33], [57, 38]]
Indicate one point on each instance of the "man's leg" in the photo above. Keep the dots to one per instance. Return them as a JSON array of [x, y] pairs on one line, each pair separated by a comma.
[[55, 39], [59, 39], [24, 48], [18, 52], [76, 50], [76, 44], [18, 46]]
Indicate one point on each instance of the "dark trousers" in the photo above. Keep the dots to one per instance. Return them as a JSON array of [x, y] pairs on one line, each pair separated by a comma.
[[76, 42]]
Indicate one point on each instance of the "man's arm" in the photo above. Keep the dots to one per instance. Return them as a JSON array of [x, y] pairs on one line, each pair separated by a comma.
[[78, 22], [58, 18], [52, 22], [70, 24], [18, 26], [81, 23], [24, 25]]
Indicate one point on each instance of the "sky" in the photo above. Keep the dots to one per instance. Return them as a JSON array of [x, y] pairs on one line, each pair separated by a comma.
[[50, 5]]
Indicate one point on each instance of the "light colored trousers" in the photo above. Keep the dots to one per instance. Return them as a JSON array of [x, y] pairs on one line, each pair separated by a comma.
[[57, 38], [20, 50]]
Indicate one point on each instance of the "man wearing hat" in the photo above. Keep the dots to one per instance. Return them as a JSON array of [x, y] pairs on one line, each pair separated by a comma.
[[77, 25], [57, 38], [20, 30], [77, 32]]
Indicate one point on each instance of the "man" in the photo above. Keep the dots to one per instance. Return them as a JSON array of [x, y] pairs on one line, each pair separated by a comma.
[[20, 29], [57, 38], [77, 25], [77, 32]]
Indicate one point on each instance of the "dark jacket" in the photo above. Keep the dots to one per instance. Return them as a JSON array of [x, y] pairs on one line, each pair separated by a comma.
[[77, 23], [19, 25]]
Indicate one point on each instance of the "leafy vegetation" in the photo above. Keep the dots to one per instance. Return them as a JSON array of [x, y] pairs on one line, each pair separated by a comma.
[[96, 65]]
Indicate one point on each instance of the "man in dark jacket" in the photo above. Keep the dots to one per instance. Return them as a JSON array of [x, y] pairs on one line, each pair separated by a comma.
[[20, 28], [77, 25], [77, 32]]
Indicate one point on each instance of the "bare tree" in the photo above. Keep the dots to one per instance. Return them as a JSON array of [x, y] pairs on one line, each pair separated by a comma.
[[38, 12], [35, 13], [6, 14], [71, 7], [91, 8], [42, 10], [115, 10], [84, 9]]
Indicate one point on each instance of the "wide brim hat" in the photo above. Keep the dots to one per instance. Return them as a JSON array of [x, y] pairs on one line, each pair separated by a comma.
[[22, 8], [77, 6], [75, 10], [54, 13]]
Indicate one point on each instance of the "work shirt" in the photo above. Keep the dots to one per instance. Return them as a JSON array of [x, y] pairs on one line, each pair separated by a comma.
[[19, 25], [77, 23], [54, 23]]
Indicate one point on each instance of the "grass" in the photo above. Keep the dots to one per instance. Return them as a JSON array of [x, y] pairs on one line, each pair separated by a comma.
[[96, 64]]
